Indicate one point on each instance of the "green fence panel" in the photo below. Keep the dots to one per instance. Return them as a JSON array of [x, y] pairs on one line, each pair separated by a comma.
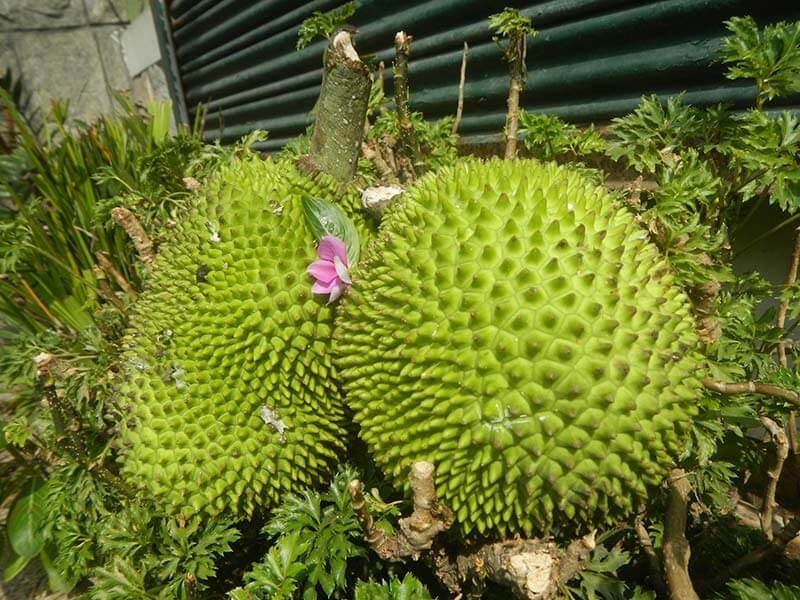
[[592, 59]]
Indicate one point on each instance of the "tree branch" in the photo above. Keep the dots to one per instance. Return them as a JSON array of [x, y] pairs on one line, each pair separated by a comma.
[[676, 546], [417, 531], [407, 143], [780, 321], [534, 569], [461, 82], [341, 111], [751, 387], [518, 72], [773, 473]]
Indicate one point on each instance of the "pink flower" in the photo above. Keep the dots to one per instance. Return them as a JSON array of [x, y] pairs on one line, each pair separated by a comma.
[[330, 270]]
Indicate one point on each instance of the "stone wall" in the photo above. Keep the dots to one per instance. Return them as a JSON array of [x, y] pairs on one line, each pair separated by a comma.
[[71, 49]]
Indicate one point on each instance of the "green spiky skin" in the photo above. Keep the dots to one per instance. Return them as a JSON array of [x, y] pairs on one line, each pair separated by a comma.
[[516, 328], [225, 328]]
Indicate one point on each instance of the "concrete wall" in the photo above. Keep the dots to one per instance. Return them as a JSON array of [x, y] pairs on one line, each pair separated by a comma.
[[72, 49]]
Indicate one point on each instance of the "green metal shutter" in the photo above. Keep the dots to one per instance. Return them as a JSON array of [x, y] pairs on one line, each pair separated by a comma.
[[592, 59]]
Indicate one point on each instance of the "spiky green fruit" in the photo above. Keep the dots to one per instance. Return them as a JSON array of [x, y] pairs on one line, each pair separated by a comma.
[[515, 327], [229, 394]]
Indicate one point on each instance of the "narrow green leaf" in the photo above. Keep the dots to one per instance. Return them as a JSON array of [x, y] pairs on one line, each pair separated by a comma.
[[325, 218], [25, 521], [15, 567]]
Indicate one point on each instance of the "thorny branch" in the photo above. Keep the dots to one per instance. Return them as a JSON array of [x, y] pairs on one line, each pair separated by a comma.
[[676, 546], [773, 473], [144, 247], [752, 387]]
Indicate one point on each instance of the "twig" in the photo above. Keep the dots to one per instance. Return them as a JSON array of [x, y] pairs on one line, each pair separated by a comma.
[[758, 556], [382, 84], [109, 268], [407, 143], [38, 301], [774, 473], [105, 288], [656, 574], [371, 151], [462, 80], [375, 537], [751, 387], [144, 247], [518, 71], [780, 321], [676, 546]]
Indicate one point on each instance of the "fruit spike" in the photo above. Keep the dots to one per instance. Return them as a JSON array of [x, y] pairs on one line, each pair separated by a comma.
[[544, 355], [238, 406]]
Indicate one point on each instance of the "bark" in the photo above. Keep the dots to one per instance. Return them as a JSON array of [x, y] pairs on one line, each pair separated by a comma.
[[341, 111], [533, 569], [676, 546]]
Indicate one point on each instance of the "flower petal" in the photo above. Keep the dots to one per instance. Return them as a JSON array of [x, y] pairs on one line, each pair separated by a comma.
[[337, 291], [322, 270], [341, 270], [320, 287], [331, 246]]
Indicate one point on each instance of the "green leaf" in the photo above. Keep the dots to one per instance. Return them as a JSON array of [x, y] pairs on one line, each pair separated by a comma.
[[26, 519], [770, 56], [325, 218], [322, 24], [2, 434], [55, 580], [15, 567]]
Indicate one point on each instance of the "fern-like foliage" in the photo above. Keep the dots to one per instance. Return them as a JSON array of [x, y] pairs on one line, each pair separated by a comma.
[[548, 137], [409, 588], [753, 589], [157, 557], [654, 131], [316, 534], [323, 24], [770, 56]]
